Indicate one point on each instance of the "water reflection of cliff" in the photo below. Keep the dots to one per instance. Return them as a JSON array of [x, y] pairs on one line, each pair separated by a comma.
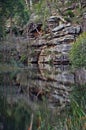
[[52, 83]]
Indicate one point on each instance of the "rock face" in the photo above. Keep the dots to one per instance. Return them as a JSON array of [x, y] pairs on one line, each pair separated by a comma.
[[84, 23], [50, 45], [54, 45]]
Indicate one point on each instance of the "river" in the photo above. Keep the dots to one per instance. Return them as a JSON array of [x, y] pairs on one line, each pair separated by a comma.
[[27, 90]]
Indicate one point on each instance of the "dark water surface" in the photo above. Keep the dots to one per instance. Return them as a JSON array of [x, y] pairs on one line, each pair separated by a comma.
[[34, 89]]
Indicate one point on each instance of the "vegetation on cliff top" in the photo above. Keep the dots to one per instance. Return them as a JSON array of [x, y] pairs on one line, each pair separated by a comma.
[[17, 13]]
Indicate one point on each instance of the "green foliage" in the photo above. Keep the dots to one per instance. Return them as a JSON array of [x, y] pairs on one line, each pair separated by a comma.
[[23, 58], [42, 10], [67, 19], [76, 117], [78, 52], [77, 113], [13, 10], [79, 94], [70, 13]]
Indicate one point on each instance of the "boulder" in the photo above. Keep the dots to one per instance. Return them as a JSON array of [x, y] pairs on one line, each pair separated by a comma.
[[78, 29], [58, 28], [72, 30], [80, 76], [56, 19], [84, 23], [63, 48]]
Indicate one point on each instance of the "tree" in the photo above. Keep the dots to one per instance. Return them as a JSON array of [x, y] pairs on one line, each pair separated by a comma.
[[14, 10]]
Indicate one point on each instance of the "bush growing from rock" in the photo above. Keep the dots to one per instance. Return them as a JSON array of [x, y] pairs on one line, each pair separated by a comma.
[[78, 52]]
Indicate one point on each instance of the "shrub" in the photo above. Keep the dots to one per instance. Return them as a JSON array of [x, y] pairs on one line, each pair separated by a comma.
[[67, 19], [70, 13], [78, 52]]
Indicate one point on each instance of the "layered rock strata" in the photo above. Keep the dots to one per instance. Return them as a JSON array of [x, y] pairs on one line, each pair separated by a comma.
[[54, 46]]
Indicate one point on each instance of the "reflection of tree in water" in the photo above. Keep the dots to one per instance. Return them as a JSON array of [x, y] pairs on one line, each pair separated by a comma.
[[17, 116], [29, 89], [13, 116], [52, 83]]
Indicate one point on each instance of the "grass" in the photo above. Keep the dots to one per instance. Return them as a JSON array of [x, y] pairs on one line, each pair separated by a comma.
[[78, 52]]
